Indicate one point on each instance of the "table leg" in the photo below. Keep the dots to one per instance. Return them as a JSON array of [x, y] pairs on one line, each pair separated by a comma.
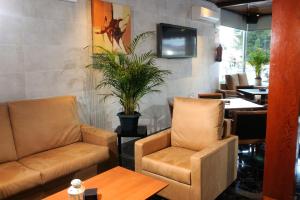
[[263, 99]]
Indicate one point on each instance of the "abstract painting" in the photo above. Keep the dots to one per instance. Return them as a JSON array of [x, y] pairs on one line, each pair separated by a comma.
[[111, 26]]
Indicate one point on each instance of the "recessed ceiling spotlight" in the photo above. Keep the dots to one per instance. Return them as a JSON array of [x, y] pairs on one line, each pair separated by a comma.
[[257, 15]]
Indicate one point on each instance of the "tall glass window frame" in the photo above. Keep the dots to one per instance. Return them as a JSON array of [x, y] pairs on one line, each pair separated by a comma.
[[265, 44]]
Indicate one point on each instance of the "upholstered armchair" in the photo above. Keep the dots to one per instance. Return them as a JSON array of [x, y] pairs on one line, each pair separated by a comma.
[[234, 82], [197, 156]]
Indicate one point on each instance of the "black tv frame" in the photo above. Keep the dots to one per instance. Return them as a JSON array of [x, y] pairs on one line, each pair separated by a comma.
[[159, 40]]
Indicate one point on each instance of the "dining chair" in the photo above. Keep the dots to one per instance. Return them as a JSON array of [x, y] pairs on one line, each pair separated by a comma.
[[215, 95], [250, 126]]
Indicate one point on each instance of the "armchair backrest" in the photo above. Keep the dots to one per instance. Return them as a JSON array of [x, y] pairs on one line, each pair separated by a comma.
[[243, 80], [232, 81], [235, 80], [196, 123]]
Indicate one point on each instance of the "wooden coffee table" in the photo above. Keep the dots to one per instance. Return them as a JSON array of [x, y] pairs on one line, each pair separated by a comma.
[[119, 183]]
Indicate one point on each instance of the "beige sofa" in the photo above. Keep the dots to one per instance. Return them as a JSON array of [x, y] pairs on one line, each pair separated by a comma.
[[43, 146], [197, 156]]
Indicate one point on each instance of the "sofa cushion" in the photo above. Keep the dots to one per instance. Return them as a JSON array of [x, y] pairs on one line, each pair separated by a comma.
[[7, 145], [196, 123], [172, 162], [243, 80], [16, 178], [232, 81], [43, 124], [61, 161]]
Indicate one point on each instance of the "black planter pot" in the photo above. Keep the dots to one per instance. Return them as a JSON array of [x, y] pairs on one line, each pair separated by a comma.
[[129, 123]]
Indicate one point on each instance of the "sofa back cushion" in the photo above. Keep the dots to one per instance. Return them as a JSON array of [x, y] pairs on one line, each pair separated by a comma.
[[7, 145], [43, 124], [243, 80], [196, 123], [232, 81]]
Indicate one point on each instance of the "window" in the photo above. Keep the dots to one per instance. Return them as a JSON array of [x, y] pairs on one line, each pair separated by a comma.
[[235, 49], [232, 41], [258, 39]]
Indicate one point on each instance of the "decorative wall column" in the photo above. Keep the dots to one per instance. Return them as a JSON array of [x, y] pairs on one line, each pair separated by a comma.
[[279, 172]]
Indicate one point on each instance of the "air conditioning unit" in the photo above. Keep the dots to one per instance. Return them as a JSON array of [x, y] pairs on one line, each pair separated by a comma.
[[70, 0], [206, 14]]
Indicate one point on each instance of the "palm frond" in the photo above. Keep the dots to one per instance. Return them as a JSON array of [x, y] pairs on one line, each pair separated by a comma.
[[138, 39], [129, 76]]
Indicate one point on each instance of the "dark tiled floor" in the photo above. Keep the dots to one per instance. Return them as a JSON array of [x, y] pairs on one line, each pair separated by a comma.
[[250, 172], [297, 172], [297, 167]]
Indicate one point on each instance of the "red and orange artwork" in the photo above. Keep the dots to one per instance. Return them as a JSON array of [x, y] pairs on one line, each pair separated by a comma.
[[111, 26]]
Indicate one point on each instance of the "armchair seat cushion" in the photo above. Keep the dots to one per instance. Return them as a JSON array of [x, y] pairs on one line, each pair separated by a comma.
[[16, 178], [172, 162], [61, 161]]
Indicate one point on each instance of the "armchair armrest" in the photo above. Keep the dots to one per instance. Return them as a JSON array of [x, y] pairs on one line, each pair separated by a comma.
[[101, 137], [214, 168], [228, 93], [226, 128], [149, 145]]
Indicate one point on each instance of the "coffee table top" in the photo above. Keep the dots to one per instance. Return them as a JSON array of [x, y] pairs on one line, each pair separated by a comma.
[[119, 183], [254, 91]]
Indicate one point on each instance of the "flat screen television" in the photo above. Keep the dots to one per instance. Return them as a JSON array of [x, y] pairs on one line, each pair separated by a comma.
[[176, 41]]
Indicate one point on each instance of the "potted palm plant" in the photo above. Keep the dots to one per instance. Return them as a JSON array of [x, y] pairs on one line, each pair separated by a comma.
[[130, 76], [257, 59]]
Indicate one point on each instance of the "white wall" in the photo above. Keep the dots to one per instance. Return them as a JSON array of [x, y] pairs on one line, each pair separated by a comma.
[[233, 20], [238, 21], [42, 55]]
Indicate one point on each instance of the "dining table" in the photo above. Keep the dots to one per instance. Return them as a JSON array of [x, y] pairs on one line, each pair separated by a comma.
[[251, 93], [234, 104], [240, 104]]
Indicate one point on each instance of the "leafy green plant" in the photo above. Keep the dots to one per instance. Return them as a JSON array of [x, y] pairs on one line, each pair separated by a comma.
[[257, 59], [129, 76]]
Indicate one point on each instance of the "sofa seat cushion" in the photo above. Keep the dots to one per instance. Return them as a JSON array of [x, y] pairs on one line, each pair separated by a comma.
[[15, 178], [172, 162], [62, 161]]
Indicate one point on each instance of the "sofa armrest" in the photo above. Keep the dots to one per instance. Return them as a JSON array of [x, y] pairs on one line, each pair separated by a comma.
[[101, 137], [149, 145], [214, 168], [226, 128]]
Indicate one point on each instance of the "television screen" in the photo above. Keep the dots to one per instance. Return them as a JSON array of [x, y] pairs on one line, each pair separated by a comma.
[[176, 41]]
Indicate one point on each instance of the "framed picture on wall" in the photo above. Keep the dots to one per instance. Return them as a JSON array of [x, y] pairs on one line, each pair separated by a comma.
[[111, 26]]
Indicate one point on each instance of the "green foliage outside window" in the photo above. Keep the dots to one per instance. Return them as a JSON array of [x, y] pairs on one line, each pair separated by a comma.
[[257, 58]]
